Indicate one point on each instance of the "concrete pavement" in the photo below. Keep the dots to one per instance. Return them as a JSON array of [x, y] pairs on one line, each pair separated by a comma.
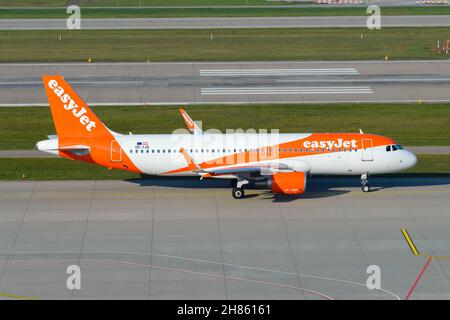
[[186, 239], [232, 82], [219, 23]]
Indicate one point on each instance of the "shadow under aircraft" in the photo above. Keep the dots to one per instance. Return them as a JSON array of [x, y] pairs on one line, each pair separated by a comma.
[[318, 186]]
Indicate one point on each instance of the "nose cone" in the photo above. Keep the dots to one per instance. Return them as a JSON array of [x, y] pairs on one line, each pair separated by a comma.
[[410, 159]]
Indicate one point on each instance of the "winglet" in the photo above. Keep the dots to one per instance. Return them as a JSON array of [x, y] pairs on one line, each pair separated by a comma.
[[192, 126]]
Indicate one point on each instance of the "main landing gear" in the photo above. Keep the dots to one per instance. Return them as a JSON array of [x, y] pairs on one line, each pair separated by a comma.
[[365, 183], [238, 193], [238, 190]]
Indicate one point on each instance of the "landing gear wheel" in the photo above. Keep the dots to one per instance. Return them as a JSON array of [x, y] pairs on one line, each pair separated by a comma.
[[365, 183], [238, 193]]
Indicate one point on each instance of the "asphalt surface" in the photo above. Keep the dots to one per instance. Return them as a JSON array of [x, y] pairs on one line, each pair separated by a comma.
[[186, 239], [219, 23], [281, 4], [291, 4], [232, 82], [40, 154]]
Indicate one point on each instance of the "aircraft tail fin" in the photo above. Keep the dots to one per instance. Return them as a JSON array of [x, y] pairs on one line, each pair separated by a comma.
[[72, 117]]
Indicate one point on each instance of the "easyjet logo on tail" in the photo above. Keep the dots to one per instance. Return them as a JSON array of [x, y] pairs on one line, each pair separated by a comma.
[[70, 105], [339, 143]]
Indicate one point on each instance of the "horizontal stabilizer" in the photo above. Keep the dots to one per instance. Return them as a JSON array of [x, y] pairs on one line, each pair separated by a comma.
[[78, 150]]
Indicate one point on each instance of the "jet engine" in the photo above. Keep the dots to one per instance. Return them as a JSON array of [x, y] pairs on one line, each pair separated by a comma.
[[288, 183]]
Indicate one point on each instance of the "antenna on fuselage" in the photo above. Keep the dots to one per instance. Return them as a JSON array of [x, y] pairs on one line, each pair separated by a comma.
[[361, 132]]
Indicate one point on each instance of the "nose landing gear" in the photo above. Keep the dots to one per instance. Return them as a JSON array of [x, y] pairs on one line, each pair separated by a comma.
[[365, 183]]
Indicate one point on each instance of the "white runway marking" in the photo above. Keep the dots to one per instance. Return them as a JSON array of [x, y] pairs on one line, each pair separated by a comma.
[[182, 258], [277, 72], [285, 90]]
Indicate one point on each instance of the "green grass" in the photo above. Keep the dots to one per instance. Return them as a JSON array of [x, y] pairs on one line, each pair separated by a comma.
[[168, 3], [63, 169], [32, 3], [227, 44], [58, 169], [135, 3], [414, 125], [431, 164], [215, 12], [118, 12]]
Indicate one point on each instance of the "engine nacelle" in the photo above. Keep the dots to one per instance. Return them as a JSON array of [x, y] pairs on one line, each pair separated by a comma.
[[288, 183]]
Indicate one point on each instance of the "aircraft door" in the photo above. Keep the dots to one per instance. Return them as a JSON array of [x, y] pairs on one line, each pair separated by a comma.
[[367, 150], [116, 152]]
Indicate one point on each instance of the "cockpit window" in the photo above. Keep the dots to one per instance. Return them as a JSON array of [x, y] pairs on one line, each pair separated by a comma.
[[394, 148], [399, 147], [388, 148]]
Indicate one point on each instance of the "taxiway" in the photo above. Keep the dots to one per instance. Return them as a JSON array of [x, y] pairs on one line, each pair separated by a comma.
[[186, 239]]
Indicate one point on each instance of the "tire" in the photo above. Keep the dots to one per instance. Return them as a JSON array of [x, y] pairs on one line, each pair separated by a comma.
[[366, 188], [238, 193]]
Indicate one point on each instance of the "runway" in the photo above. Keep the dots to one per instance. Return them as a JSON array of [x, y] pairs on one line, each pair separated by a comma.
[[232, 82], [221, 23], [186, 239]]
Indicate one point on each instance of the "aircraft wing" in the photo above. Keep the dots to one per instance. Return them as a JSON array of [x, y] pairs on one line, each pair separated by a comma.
[[264, 169], [267, 169]]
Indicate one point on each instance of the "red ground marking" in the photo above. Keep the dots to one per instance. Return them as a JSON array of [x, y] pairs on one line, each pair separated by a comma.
[[418, 278]]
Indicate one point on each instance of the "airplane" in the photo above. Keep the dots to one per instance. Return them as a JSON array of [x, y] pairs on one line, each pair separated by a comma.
[[280, 162], [190, 124]]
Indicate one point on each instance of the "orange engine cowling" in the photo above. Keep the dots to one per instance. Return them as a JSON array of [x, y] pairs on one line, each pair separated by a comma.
[[288, 183]]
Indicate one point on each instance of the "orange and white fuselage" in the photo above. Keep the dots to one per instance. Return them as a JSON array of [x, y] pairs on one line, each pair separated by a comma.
[[280, 158]]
